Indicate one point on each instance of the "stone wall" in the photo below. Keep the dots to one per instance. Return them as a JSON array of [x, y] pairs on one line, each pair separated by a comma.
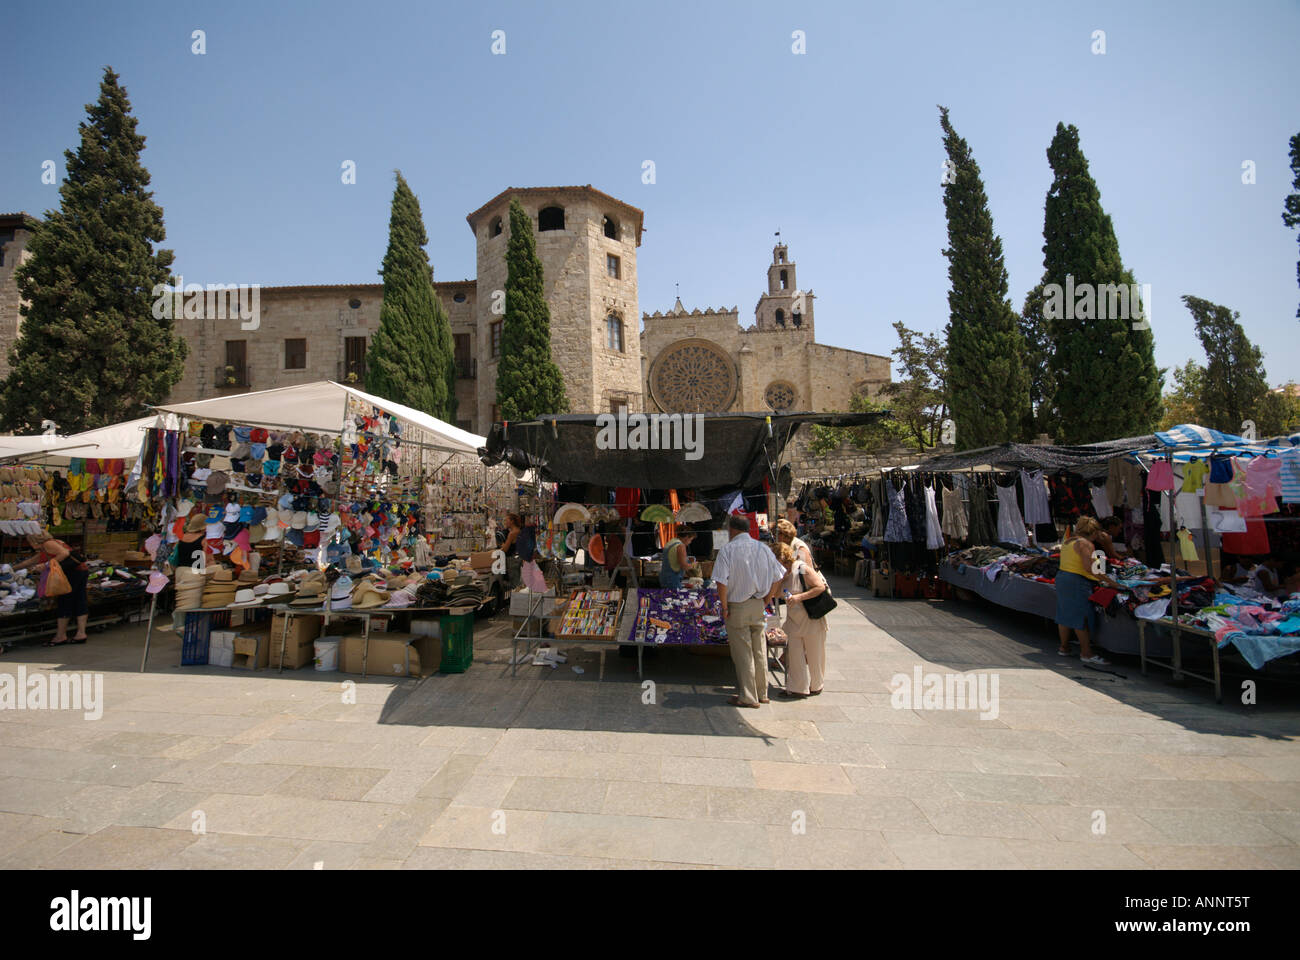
[[845, 459]]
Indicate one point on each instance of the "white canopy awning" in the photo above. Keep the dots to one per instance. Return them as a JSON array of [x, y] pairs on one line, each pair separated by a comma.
[[121, 441], [318, 408]]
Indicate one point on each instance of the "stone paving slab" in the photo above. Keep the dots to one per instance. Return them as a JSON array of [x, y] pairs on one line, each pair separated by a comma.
[[201, 768]]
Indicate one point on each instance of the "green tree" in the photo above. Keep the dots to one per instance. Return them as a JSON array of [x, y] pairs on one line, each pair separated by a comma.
[[410, 357], [1182, 404], [1234, 385], [988, 386], [91, 350], [529, 383], [1278, 413], [1038, 417], [869, 438], [919, 401], [1291, 206], [1105, 381]]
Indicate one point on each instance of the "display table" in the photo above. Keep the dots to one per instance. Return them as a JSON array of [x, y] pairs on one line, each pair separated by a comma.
[[1118, 634], [1177, 665], [634, 629]]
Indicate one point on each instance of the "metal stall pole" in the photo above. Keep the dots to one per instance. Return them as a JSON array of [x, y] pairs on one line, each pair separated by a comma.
[[1173, 570]]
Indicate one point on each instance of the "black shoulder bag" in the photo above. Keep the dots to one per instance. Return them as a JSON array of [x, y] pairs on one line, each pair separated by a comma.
[[820, 605]]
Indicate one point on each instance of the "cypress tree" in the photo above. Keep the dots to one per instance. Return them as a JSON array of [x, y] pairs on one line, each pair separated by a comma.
[[987, 384], [1233, 385], [1039, 417], [1291, 205], [410, 358], [1105, 382], [91, 351], [529, 383]]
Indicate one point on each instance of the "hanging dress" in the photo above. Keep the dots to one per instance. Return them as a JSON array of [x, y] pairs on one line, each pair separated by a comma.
[[982, 531], [954, 515], [933, 532], [1011, 525], [897, 529], [1037, 508]]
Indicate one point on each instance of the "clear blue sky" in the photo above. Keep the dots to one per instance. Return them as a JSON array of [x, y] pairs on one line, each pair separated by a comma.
[[840, 148]]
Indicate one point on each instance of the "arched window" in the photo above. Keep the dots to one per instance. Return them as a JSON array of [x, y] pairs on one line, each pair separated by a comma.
[[780, 317], [614, 332], [550, 218], [785, 282], [494, 229], [611, 227], [797, 319]]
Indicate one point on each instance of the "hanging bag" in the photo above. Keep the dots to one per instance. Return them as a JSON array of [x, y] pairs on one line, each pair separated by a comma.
[[820, 605], [56, 582]]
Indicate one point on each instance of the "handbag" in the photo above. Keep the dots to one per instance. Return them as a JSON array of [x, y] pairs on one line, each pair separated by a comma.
[[56, 583], [820, 605]]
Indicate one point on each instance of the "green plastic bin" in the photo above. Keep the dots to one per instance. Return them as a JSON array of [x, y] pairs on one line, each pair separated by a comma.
[[457, 642]]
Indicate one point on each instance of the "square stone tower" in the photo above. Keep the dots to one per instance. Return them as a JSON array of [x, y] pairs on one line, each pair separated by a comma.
[[784, 306], [587, 243], [15, 230]]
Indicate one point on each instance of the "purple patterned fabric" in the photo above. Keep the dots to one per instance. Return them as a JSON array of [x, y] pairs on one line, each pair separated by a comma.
[[685, 611]]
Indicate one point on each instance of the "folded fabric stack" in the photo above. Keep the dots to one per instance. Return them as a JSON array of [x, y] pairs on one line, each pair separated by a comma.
[[465, 594]]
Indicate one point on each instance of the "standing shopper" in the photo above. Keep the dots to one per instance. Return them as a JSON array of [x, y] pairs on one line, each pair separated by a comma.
[[786, 532], [1075, 582], [747, 575], [806, 656], [71, 604]]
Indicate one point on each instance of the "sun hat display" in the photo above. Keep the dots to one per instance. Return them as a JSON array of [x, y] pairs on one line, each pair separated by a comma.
[[278, 589], [657, 513], [311, 593], [246, 598], [367, 596], [571, 513]]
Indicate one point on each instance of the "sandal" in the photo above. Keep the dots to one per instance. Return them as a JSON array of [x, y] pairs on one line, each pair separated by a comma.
[[736, 702], [814, 693], [788, 695], [55, 643]]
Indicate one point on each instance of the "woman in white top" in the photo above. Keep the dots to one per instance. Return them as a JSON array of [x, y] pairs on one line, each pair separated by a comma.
[[806, 653]]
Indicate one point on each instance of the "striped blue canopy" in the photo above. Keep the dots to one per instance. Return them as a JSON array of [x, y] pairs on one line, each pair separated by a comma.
[[1189, 434]]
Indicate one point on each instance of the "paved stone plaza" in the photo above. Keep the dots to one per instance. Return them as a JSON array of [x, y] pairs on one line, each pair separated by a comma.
[[557, 769]]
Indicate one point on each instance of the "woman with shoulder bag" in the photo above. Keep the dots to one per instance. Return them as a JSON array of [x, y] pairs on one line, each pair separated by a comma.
[[73, 602], [805, 626]]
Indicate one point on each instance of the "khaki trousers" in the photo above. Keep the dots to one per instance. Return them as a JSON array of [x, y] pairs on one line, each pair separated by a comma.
[[748, 642], [806, 653]]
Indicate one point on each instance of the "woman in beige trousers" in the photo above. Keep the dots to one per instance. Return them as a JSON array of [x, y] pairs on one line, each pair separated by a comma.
[[806, 653]]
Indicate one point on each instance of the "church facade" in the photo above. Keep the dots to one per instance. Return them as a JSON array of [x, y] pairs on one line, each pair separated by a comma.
[[587, 241]]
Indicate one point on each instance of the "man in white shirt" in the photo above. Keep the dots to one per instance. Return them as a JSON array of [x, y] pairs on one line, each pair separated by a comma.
[[747, 573]]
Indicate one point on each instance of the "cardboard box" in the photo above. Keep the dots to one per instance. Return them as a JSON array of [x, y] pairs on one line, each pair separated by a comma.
[[430, 650], [1197, 567], [252, 649], [295, 655], [481, 559], [390, 655], [302, 630]]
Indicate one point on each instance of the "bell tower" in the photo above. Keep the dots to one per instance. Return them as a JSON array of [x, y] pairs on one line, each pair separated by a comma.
[[784, 306]]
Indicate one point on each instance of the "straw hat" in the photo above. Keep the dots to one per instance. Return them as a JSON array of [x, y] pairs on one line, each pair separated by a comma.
[[367, 596], [311, 593], [246, 598]]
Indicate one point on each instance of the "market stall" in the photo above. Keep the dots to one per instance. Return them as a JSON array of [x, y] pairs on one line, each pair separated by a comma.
[[616, 506]]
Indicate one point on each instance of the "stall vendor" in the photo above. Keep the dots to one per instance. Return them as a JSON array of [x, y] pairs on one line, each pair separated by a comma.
[[514, 524], [675, 561]]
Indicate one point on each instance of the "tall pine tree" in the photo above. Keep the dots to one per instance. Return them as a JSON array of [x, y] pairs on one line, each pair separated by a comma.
[[1291, 205], [1039, 417], [988, 388], [1233, 385], [529, 383], [1105, 382], [410, 359], [90, 351]]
